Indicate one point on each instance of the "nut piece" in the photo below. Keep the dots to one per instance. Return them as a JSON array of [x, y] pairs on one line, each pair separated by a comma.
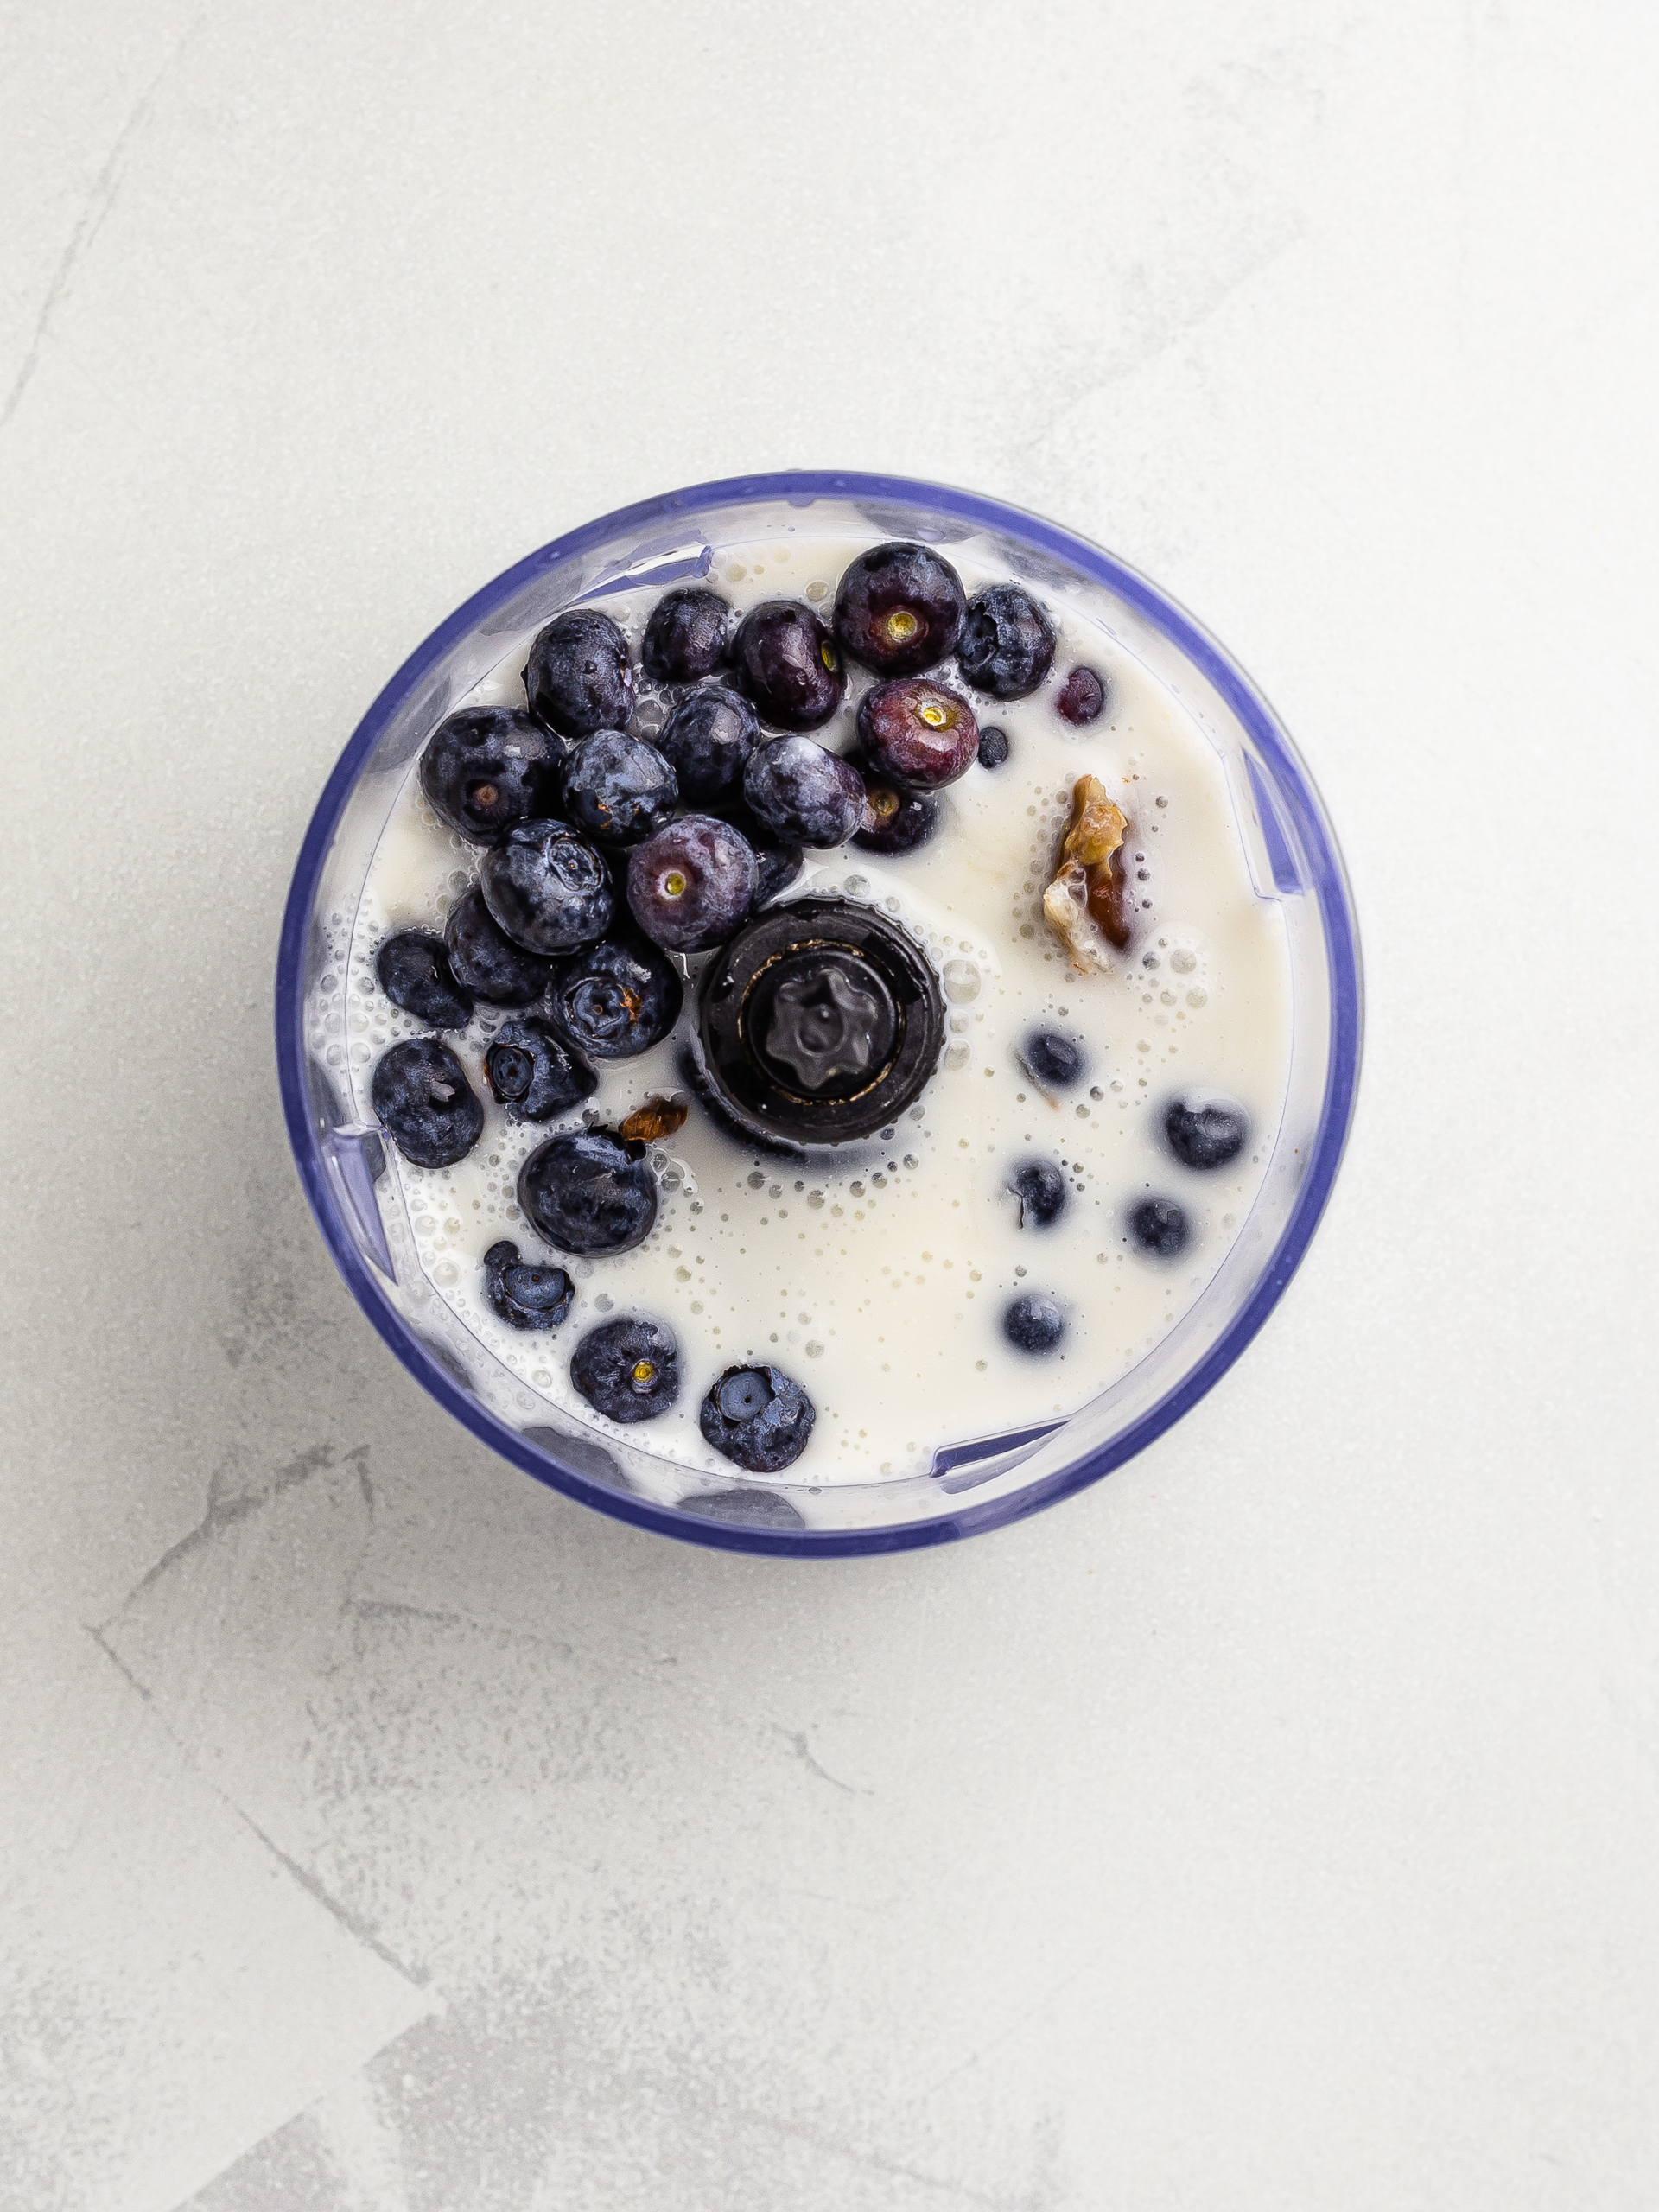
[[658, 1117], [1084, 903]]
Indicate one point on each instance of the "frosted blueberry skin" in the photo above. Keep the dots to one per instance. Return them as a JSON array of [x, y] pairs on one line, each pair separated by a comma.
[[920, 734], [1160, 1226], [547, 888], [413, 970], [785, 661], [421, 1094], [803, 794], [895, 821], [992, 747], [485, 959], [589, 1193], [524, 1296], [1054, 1060], [1206, 1133], [532, 1074], [758, 1417], [615, 999], [1006, 645], [687, 636], [1034, 1322], [579, 678], [1040, 1188], [899, 609], [707, 740], [776, 868], [619, 789], [627, 1370], [1081, 698], [488, 768], [691, 885]]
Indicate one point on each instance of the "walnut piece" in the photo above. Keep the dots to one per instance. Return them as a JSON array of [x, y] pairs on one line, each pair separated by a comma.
[[658, 1117], [1083, 904]]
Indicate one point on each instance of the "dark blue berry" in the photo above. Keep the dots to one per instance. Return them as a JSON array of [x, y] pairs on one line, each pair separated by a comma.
[[533, 1074], [579, 678], [1034, 1322], [619, 789], [1081, 698], [588, 1192], [776, 868], [1054, 1060], [993, 746], [421, 1094], [1206, 1133], [899, 609], [803, 794], [921, 734], [1006, 645], [759, 1417], [1040, 1188], [414, 973], [690, 887], [547, 888], [526, 1297], [616, 999], [488, 768], [786, 661], [1159, 1225], [894, 822], [485, 959], [706, 741], [687, 635], [627, 1370]]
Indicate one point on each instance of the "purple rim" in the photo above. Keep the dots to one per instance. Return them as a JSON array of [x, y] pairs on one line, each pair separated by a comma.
[[1294, 790]]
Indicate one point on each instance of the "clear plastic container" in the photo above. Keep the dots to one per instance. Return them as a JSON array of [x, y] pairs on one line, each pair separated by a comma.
[[978, 1483]]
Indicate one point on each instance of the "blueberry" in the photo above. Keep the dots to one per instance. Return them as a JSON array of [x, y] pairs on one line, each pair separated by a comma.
[[894, 821], [1159, 1225], [1040, 1188], [920, 734], [628, 1370], [533, 1074], [687, 635], [421, 1093], [1054, 1060], [488, 768], [524, 1296], [1034, 1323], [786, 661], [547, 888], [588, 1192], [485, 959], [803, 794], [706, 741], [414, 972], [776, 868], [899, 609], [1206, 1133], [1006, 645], [993, 746], [616, 999], [691, 885], [759, 1417], [578, 678], [619, 789], [1080, 697]]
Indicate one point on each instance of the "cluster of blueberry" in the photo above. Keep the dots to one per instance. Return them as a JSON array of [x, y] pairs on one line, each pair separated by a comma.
[[1201, 1132]]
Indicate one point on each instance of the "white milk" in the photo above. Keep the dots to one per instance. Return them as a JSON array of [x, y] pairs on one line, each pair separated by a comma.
[[878, 1276]]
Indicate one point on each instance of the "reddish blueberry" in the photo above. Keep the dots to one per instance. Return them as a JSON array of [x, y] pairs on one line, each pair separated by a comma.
[[1081, 698], [918, 733], [691, 885]]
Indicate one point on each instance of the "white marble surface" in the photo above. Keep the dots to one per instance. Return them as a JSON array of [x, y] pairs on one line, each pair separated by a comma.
[[1274, 1826]]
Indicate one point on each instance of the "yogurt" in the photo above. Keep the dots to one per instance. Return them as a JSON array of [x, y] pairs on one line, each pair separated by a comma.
[[877, 1273]]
